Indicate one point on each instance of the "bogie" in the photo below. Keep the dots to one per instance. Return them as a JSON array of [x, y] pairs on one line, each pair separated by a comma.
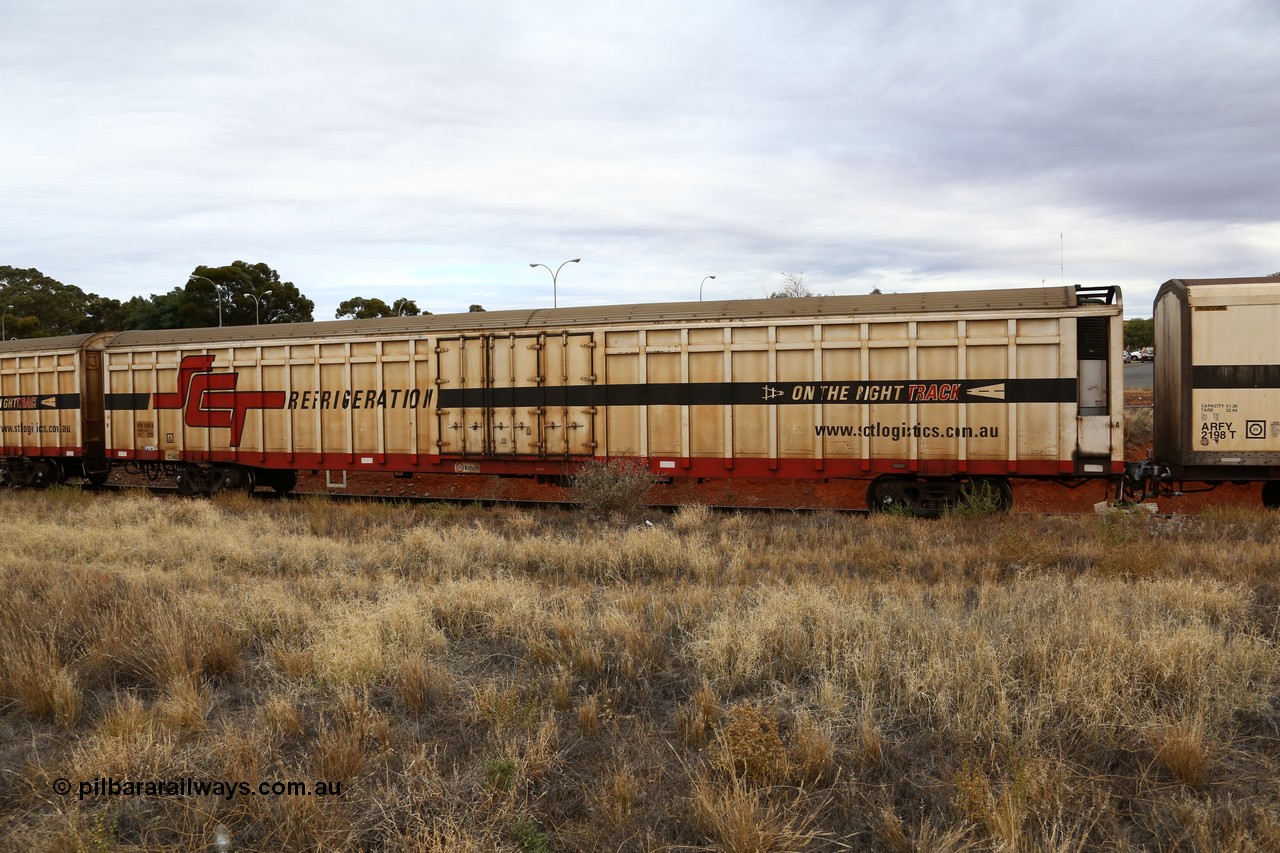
[[23, 472], [208, 480]]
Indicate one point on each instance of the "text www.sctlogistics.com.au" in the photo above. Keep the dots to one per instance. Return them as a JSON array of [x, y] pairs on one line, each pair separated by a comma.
[[35, 429], [191, 787], [897, 432]]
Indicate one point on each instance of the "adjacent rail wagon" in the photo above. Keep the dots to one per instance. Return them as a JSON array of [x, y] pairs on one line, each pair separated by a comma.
[[51, 418], [922, 395], [1217, 383]]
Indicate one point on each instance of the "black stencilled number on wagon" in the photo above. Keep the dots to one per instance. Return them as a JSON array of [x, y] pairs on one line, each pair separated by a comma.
[[1215, 431], [1255, 429]]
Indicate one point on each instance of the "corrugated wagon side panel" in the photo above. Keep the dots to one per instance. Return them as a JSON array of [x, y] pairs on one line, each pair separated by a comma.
[[322, 403], [40, 415], [302, 434], [335, 438], [753, 426], [876, 394], [397, 432], [130, 383], [842, 358], [663, 365], [990, 425], [795, 422], [707, 365], [271, 439], [1234, 374], [250, 375], [1040, 436], [940, 360], [889, 365], [368, 441], [625, 427]]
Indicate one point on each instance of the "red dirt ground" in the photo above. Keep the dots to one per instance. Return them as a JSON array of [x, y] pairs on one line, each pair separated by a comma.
[[1029, 496]]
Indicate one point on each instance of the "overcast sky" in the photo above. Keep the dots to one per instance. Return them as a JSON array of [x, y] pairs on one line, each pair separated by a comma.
[[433, 149]]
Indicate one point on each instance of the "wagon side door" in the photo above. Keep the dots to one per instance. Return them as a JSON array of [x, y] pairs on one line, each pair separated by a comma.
[[517, 394], [568, 399], [461, 415], [515, 373]]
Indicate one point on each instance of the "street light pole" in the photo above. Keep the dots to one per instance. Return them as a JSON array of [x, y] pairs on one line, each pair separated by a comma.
[[3, 319], [257, 303], [217, 289], [704, 281], [555, 274]]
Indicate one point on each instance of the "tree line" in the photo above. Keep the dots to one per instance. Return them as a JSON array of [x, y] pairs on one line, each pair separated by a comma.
[[35, 305], [1139, 334]]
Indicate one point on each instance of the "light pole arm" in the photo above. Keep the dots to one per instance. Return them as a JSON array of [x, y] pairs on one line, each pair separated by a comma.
[[257, 305], [217, 291], [555, 274]]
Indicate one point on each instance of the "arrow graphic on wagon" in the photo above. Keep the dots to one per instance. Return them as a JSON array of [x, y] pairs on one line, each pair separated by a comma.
[[991, 392], [49, 402]]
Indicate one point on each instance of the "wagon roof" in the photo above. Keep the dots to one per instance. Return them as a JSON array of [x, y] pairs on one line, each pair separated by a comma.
[[998, 301], [1180, 285], [34, 345], [1200, 282]]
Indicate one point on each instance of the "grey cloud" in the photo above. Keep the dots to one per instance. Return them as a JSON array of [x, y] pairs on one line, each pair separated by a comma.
[[409, 143]]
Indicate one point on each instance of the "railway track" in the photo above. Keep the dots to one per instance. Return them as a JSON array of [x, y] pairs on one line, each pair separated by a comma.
[[267, 495], [355, 498]]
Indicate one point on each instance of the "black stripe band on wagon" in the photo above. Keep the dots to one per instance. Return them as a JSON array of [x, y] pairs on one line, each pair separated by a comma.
[[126, 402], [36, 402], [1235, 376], [766, 394]]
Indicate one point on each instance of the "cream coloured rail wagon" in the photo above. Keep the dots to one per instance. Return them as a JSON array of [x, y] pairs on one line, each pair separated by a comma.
[[51, 421], [1217, 384], [921, 395]]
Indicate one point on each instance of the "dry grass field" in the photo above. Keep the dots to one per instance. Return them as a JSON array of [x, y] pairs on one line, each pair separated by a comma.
[[482, 680]]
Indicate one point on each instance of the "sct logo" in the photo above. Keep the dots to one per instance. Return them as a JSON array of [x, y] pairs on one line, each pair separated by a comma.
[[211, 400]]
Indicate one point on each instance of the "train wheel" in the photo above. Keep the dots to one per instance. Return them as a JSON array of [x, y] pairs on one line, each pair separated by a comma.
[[1271, 494], [236, 478], [43, 473], [892, 494], [186, 485], [97, 478]]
